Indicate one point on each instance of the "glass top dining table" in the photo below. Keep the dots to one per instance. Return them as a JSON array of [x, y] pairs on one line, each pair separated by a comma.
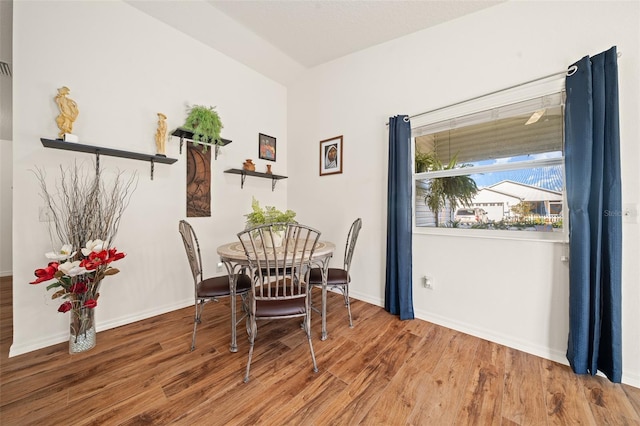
[[233, 256]]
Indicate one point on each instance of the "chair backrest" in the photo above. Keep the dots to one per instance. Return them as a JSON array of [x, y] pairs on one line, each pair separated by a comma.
[[192, 247], [279, 272], [352, 238]]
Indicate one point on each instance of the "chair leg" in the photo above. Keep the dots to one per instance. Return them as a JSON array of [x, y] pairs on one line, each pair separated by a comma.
[[196, 321], [252, 336], [345, 292], [308, 331]]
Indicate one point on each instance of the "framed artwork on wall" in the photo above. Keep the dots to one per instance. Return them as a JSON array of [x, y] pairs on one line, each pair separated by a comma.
[[331, 156], [266, 147]]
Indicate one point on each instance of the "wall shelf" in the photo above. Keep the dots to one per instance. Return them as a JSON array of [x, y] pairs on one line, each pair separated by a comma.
[[245, 173], [98, 150], [187, 134]]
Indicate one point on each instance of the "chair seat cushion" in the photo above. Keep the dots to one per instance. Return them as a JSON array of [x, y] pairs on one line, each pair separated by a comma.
[[335, 276], [280, 308], [272, 272], [219, 286]]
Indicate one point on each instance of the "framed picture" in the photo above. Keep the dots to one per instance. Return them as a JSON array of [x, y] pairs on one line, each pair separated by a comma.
[[331, 156], [266, 147]]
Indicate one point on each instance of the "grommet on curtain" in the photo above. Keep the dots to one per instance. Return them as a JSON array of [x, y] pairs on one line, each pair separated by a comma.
[[406, 119], [572, 70]]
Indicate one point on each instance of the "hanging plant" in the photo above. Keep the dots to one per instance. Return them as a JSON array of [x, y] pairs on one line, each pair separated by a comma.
[[205, 124]]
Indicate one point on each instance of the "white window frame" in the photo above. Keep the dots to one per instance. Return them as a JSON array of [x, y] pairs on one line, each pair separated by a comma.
[[495, 100]]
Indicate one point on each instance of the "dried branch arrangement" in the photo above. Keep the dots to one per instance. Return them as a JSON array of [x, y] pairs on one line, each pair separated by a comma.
[[83, 207]]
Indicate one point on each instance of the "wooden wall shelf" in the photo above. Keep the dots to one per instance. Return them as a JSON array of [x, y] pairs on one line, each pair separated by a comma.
[[187, 134], [99, 150], [244, 173]]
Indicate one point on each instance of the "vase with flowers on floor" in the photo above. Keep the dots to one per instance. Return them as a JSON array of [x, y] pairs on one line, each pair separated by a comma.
[[85, 214]]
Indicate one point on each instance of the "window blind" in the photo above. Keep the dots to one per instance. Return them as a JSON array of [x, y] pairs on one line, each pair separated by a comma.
[[496, 133]]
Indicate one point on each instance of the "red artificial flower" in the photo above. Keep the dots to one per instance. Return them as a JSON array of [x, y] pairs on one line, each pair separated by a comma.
[[45, 274], [114, 255], [88, 264], [91, 303], [65, 307], [79, 287], [101, 255]]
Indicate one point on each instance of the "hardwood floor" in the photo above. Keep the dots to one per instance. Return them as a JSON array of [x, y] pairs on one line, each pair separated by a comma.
[[381, 372]]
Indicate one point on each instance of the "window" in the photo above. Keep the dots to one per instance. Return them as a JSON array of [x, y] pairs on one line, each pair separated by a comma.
[[500, 169]]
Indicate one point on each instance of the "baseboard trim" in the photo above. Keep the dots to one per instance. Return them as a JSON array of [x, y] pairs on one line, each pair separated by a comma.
[[33, 345]]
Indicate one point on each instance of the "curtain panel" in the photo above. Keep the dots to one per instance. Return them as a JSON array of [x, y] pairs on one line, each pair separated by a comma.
[[592, 163], [398, 286]]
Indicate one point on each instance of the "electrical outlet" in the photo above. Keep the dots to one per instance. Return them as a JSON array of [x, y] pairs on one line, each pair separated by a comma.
[[219, 267], [44, 214], [427, 282]]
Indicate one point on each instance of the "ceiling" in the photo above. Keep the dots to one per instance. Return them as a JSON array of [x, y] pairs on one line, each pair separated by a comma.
[[299, 34], [317, 31]]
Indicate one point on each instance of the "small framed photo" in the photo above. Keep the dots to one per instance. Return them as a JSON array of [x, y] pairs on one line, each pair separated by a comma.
[[331, 156], [266, 147]]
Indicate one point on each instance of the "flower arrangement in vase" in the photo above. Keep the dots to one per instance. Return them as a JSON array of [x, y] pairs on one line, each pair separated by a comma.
[[85, 216]]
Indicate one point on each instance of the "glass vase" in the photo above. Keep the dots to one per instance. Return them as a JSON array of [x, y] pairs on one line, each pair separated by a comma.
[[82, 331]]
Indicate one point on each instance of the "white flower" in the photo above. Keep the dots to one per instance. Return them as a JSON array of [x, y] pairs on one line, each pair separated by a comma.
[[71, 268], [94, 246], [63, 254]]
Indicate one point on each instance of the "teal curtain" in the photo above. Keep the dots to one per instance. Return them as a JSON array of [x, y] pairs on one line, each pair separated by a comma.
[[398, 287], [592, 163]]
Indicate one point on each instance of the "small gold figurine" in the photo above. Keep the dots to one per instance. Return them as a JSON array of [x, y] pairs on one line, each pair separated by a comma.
[[68, 111], [161, 134]]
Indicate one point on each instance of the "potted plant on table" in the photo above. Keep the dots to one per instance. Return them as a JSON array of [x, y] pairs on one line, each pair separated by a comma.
[[267, 215]]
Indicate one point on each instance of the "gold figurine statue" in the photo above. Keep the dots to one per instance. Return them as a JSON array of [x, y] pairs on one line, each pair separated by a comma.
[[161, 134], [68, 111]]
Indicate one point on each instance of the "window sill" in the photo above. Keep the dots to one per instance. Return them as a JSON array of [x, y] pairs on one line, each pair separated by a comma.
[[535, 236]]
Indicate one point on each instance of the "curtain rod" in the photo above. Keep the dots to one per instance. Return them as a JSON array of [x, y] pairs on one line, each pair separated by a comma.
[[570, 71]]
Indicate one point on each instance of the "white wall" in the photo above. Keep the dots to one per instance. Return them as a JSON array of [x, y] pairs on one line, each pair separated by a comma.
[[6, 182], [6, 26], [512, 292], [122, 68]]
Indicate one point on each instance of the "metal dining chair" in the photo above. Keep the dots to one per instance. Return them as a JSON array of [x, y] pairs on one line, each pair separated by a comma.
[[279, 287], [208, 289], [340, 278]]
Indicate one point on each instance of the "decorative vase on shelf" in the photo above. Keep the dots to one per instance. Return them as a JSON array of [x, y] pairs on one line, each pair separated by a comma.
[[82, 330], [248, 165], [269, 169]]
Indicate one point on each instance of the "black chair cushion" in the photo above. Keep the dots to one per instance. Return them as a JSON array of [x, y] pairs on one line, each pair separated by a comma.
[[219, 286], [272, 272], [335, 276], [279, 308]]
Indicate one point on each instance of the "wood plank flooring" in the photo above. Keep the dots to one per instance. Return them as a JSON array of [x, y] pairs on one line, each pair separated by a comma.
[[381, 372]]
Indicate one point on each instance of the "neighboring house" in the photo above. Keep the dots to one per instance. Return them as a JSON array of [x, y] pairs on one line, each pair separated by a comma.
[[499, 199]]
